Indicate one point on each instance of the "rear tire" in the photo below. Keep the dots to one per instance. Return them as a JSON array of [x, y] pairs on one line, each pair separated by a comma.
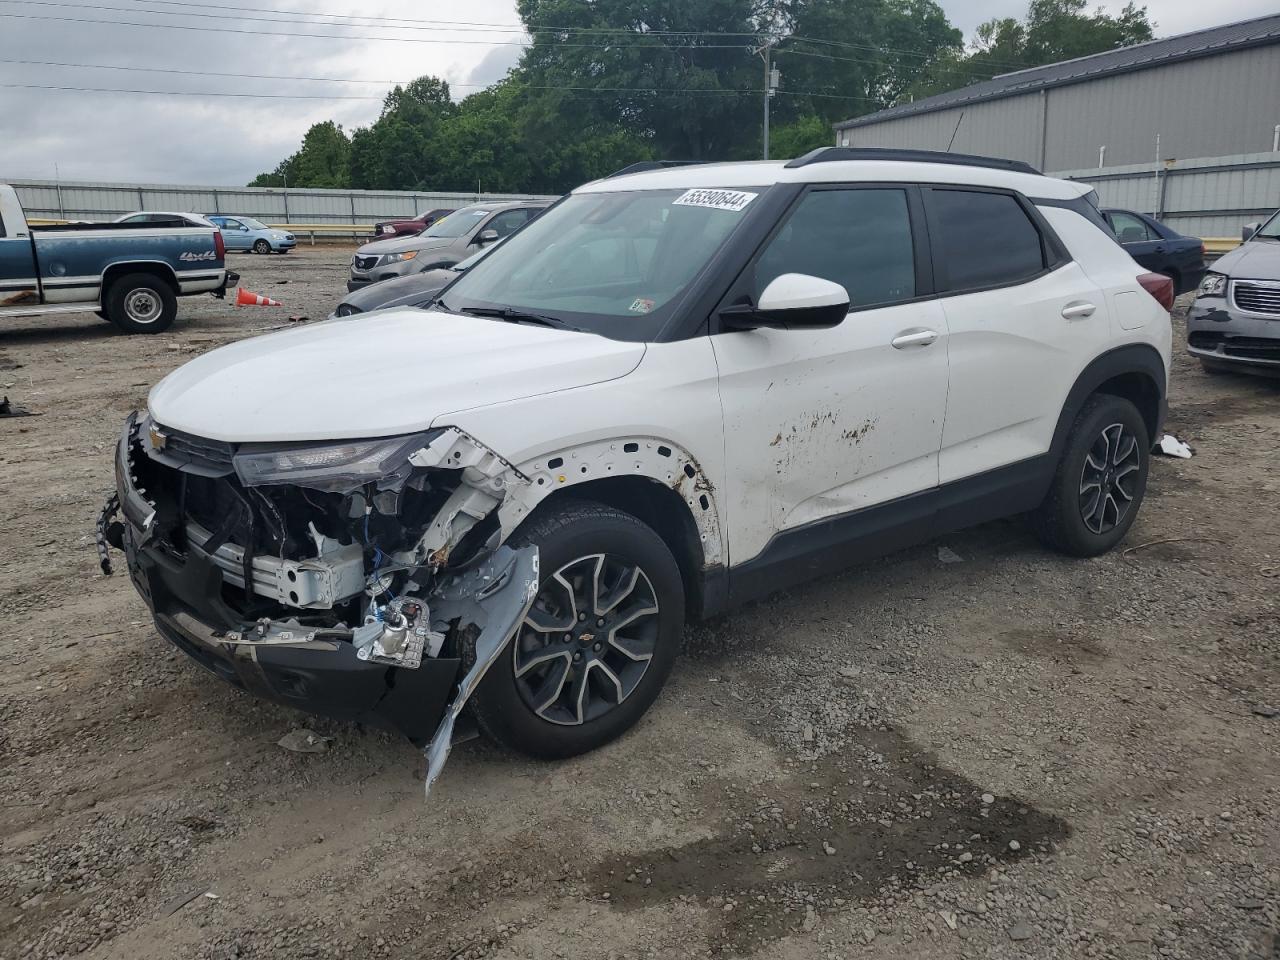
[[1100, 482], [141, 303], [610, 585]]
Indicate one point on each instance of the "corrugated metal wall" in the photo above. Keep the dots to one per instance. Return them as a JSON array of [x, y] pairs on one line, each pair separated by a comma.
[[1201, 198], [1211, 107], [1000, 128], [104, 201]]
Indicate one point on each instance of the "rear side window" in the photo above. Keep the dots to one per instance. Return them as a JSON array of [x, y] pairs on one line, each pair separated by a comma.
[[860, 239], [982, 239], [1129, 228]]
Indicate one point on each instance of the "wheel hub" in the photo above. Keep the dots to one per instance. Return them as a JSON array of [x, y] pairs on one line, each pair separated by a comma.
[[1109, 478], [587, 641]]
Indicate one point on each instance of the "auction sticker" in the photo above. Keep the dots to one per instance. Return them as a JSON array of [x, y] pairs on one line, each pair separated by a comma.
[[642, 305], [731, 200]]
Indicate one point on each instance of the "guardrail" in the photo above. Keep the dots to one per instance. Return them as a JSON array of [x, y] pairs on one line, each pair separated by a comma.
[[1217, 246], [357, 231]]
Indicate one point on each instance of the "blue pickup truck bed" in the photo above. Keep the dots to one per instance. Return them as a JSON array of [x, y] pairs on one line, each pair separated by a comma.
[[131, 275]]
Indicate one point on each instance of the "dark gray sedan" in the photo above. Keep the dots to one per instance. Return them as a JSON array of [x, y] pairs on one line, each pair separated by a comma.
[[415, 290]]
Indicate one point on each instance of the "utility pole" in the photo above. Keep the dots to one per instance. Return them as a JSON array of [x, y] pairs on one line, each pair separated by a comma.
[[771, 78]]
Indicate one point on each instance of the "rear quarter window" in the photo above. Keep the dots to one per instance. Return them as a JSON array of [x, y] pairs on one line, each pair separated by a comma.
[[982, 239]]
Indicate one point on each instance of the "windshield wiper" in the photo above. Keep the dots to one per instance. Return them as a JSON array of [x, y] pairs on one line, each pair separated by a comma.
[[520, 316]]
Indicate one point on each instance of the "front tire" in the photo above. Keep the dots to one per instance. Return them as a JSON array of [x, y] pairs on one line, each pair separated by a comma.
[[141, 303], [261, 246], [599, 641], [1100, 481]]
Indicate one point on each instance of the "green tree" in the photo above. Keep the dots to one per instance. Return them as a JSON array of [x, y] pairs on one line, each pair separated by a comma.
[[323, 160], [798, 138]]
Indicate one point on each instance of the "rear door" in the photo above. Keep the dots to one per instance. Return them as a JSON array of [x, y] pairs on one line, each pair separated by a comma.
[[1020, 316], [1140, 241], [18, 283]]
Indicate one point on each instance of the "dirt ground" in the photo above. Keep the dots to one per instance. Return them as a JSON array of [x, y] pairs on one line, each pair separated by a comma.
[[1012, 755]]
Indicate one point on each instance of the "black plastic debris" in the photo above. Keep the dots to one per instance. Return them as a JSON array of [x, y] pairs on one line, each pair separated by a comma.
[[9, 409]]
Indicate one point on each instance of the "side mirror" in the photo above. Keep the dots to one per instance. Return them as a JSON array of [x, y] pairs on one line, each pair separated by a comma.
[[793, 301], [1249, 230], [487, 236], [243, 228]]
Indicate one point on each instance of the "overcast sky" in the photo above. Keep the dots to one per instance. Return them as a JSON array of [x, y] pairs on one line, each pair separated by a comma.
[[137, 138]]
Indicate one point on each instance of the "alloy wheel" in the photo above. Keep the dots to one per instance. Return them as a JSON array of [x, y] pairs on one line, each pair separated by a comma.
[[587, 641], [1108, 480]]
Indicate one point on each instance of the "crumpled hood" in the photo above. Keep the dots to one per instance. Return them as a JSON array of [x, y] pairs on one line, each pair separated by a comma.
[[401, 244], [1255, 260], [375, 376]]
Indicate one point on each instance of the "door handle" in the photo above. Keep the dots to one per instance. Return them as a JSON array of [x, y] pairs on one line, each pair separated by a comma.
[[1078, 311], [915, 337]]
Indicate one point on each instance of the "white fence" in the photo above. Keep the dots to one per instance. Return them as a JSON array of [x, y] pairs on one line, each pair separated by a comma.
[[1210, 197], [81, 200]]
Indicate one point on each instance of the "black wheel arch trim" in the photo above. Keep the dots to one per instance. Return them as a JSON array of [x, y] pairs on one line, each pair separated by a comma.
[[1134, 358]]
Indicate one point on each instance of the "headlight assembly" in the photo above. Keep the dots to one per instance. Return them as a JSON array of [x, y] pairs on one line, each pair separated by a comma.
[[398, 257], [332, 467], [1213, 285]]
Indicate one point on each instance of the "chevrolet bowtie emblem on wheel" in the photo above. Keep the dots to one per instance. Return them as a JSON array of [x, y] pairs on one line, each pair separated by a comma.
[[158, 439], [588, 638]]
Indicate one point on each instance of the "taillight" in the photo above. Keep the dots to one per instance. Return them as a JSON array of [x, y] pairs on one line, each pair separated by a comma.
[[1160, 287], [219, 245]]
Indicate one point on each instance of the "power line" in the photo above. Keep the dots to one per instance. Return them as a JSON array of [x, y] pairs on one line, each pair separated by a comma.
[[321, 96], [331, 36], [471, 25]]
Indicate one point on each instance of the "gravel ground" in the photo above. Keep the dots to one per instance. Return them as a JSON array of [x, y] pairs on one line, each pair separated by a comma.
[[1013, 755]]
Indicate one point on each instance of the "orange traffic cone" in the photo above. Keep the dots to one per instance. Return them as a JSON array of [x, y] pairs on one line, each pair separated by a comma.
[[246, 299]]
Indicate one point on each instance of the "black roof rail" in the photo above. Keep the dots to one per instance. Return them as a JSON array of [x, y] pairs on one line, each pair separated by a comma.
[[645, 165], [832, 154]]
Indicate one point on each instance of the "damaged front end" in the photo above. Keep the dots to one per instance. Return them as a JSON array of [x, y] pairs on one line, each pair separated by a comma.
[[363, 580]]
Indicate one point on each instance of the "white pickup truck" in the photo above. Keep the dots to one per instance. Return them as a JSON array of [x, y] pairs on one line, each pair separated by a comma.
[[131, 275]]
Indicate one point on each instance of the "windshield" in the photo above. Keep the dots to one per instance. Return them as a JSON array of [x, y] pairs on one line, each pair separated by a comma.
[[253, 224], [1271, 229], [612, 263], [456, 223]]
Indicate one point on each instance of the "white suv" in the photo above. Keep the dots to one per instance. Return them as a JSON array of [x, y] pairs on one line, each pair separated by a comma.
[[677, 390]]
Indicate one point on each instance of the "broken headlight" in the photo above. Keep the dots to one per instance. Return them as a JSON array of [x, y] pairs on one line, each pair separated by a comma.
[[332, 467]]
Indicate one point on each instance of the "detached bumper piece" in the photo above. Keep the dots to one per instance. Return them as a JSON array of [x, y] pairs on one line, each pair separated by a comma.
[[410, 668]]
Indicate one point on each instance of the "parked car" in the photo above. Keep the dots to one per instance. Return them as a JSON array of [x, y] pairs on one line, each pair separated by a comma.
[[1159, 247], [675, 391], [1234, 323], [407, 228], [246, 233], [163, 219], [130, 274], [414, 290], [444, 243]]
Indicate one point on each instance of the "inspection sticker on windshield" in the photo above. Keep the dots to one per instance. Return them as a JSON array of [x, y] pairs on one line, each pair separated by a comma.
[[641, 305], [731, 200]]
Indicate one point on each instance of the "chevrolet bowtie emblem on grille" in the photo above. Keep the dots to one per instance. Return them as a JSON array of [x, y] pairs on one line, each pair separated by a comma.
[[158, 439]]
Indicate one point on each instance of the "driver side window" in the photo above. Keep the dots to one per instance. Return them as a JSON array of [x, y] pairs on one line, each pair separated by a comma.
[[507, 222], [860, 239]]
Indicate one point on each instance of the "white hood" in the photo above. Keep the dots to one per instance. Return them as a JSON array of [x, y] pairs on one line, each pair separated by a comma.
[[375, 376]]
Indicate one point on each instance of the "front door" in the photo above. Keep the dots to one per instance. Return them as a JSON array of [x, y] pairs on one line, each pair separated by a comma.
[[235, 234], [18, 284], [820, 424]]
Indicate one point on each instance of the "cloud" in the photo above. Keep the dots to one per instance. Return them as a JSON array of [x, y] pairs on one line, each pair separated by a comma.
[[137, 138], [227, 141]]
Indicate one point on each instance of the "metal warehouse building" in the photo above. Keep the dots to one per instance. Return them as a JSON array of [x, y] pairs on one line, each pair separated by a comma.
[[1140, 113]]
